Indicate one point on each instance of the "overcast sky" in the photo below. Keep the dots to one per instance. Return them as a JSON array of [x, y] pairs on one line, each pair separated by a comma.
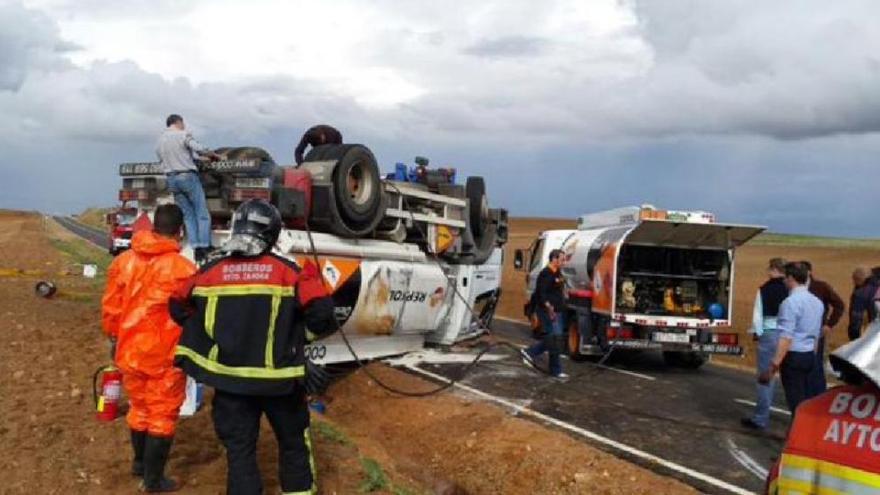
[[763, 112]]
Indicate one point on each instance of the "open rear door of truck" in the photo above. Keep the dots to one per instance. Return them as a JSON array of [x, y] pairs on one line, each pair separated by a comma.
[[692, 235]]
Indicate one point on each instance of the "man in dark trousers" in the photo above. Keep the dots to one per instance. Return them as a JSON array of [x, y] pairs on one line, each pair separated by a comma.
[[316, 136], [834, 309], [861, 302], [247, 315], [765, 333], [799, 324], [549, 305]]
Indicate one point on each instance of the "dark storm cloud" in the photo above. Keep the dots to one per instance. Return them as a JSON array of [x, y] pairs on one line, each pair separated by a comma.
[[29, 41], [764, 113], [508, 46]]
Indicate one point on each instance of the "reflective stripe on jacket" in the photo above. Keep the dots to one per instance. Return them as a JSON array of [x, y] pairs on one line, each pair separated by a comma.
[[247, 330], [833, 446]]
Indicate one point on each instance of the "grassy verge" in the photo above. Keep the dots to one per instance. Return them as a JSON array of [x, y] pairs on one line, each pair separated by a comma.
[[813, 241], [77, 252], [374, 477], [94, 217]]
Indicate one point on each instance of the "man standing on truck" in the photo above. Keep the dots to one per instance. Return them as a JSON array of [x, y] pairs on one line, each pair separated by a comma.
[[175, 150], [247, 316], [799, 324], [764, 332], [861, 302], [316, 136], [550, 307], [140, 283], [833, 312]]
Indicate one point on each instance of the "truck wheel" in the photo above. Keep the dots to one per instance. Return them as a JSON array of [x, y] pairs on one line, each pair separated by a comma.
[[358, 189], [688, 360], [478, 205], [574, 341], [249, 153]]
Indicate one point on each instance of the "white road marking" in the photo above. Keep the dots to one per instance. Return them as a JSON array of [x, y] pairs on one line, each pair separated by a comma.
[[746, 460], [511, 320], [525, 411], [774, 409], [627, 372], [431, 356]]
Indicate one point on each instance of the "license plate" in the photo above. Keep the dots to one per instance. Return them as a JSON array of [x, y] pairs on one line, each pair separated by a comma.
[[250, 182], [672, 338], [148, 168]]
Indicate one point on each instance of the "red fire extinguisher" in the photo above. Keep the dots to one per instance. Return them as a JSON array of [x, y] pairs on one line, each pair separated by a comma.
[[107, 403]]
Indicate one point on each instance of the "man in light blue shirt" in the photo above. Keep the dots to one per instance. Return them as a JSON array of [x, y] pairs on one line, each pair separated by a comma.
[[175, 149], [799, 324]]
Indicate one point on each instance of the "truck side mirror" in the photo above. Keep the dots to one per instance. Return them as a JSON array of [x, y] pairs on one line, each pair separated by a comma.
[[519, 259]]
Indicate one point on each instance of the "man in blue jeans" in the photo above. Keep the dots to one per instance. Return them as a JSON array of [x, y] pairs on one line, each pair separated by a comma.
[[176, 149], [766, 310], [549, 306]]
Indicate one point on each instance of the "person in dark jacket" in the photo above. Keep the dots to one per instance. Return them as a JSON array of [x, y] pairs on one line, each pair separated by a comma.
[[247, 315], [834, 309], [861, 302], [549, 306], [316, 136], [764, 332]]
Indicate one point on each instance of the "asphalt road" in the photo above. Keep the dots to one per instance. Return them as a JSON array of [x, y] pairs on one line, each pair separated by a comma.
[[98, 237], [687, 417]]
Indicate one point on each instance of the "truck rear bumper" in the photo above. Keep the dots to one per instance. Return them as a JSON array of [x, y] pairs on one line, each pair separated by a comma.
[[724, 349]]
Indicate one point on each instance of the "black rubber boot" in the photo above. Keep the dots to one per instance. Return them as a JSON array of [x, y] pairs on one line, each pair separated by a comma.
[[156, 452], [138, 440]]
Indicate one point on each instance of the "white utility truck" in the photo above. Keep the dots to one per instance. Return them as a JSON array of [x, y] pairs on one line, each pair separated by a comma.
[[411, 258], [643, 278]]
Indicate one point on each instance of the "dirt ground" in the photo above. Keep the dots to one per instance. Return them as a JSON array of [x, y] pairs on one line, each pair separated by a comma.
[[834, 265], [368, 442]]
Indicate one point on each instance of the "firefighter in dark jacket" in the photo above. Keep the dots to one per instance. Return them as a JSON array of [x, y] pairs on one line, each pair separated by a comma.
[[248, 314]]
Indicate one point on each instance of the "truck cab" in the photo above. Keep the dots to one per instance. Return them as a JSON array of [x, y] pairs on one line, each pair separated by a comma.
[[121, 225], [645, 278]]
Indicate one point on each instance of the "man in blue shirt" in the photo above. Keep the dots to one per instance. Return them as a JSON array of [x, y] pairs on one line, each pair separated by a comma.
[[799, 324]]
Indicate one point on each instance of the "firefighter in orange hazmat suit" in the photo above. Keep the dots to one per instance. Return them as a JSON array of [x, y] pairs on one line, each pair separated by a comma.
[[135, 314]]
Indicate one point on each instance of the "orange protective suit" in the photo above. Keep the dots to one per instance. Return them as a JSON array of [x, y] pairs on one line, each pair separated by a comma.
[[140, 282]]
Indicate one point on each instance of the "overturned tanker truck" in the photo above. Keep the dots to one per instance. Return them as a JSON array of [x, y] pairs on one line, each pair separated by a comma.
[[411, 258]]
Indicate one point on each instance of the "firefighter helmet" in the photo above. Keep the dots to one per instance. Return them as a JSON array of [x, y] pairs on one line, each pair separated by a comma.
[[256, 225]]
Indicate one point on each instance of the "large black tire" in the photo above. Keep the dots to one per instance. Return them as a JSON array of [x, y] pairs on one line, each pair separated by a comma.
[[358, 188], [478, 204], [687, 360], [249, 153], [355, 196]]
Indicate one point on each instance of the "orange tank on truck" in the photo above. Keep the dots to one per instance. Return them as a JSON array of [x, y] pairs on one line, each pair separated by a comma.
[[644, 278]]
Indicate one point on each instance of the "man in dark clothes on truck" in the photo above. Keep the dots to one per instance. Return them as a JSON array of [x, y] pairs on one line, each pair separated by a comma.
[[861, 302], [549, 306], [834, 309], [316, 136]]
